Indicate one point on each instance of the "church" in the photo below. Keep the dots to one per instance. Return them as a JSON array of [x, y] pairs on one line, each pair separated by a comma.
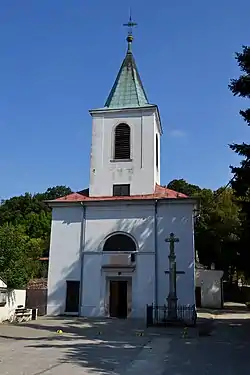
[[109, 255]]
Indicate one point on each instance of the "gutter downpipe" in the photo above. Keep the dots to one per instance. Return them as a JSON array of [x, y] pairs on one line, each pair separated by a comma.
[[156, 253], [82, 245]]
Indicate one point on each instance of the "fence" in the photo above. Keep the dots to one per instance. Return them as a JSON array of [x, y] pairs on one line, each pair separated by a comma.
[[36, 296], [160, 315]]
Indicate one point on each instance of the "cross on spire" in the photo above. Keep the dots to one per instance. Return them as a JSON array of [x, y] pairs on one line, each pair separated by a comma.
[[130, 24]]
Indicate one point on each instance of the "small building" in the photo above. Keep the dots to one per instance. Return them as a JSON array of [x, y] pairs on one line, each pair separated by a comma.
[[209, 290], [108, 255], [10, 299]]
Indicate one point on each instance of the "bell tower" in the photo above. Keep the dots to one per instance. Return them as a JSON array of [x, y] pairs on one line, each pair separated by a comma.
[[125, 150]]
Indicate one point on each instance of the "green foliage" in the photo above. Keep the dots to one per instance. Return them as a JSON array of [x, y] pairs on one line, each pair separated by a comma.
[[54, 193], [241, 182], [217, 225], [184, 187], [18, 256], [217, 229], [25, 234], [241, 87]]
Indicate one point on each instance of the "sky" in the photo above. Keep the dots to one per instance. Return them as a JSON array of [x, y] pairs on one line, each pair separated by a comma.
[[59, 58]]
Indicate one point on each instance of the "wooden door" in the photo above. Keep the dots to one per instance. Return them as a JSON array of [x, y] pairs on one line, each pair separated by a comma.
[[72, 296], [118, 299]]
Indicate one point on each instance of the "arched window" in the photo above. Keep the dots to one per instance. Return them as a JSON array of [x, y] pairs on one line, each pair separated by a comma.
[[119, 242], [156, 150], [122, 142]]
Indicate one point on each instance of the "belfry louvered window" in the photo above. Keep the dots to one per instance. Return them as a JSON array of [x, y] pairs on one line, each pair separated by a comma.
[[122, 142]]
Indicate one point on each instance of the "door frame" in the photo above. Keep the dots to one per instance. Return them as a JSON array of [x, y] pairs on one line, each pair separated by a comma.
[[72, 313], [129, 280]]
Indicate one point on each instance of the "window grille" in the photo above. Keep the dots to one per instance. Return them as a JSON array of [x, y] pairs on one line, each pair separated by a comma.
[[122, 142], [121, 190]]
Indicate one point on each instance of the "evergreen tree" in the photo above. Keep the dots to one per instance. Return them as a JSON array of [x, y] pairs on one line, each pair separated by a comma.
[[241, 182], [241, 87]]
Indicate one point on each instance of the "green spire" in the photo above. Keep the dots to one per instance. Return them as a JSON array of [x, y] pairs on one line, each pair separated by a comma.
[[127, 91]]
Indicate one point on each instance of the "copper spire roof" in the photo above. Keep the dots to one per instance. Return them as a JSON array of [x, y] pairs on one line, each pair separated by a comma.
[[128, 90]]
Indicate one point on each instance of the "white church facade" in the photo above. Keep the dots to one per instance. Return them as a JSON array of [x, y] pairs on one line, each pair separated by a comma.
[[108, 254]]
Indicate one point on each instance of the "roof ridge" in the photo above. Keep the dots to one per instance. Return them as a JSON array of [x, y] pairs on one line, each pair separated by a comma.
[[107, 103], [160, 192], [138, 76]]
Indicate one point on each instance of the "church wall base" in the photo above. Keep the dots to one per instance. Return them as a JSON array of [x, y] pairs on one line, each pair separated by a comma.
[[96, 312]]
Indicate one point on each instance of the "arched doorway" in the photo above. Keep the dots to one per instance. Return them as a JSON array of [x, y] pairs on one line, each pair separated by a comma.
[[119, 287]]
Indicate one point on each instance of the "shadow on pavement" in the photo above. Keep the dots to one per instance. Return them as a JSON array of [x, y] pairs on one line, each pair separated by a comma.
[[108, 345], [101, 345], [226, 350]]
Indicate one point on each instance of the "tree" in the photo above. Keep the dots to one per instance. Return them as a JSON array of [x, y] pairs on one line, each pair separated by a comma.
[[217, 225], [217, 229], [19, 256], [25, 234], [241, 87], [182, 186], [241, 183], [54, 193], [28, 208]]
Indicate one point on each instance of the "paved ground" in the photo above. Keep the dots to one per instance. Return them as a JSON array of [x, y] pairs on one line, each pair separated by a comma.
[[225, 351], [99, 346], [113, 347]]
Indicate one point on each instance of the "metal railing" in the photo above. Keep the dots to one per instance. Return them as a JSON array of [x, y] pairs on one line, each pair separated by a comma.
[[160, 315]]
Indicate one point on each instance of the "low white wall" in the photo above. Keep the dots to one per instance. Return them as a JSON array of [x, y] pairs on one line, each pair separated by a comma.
[[2, 284], [14, 298], [210, 283]]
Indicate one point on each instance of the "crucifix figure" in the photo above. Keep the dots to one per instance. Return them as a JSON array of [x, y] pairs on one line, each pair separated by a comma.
[[172, 296]]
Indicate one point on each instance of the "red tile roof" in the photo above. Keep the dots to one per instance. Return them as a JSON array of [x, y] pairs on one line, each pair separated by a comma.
[[161, 192]]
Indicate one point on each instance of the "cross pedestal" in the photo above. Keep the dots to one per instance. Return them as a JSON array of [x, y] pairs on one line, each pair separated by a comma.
[[172, 295]]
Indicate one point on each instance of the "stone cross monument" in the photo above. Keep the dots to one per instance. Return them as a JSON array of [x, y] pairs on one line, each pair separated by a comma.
[[172, 295]]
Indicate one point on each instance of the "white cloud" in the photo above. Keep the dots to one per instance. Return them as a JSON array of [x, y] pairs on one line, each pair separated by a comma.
[[177, 133]]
